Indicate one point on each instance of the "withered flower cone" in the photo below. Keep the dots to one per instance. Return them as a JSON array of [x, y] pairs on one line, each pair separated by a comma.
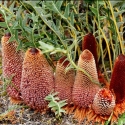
[[84, 89], [12, 65], [64, 80], [117, 83], [37, 79], [104, 102]]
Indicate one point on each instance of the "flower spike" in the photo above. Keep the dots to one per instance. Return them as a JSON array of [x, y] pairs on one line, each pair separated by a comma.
[[37, 79], [64, 80], [84, 89], [117, 83], [12, 65]]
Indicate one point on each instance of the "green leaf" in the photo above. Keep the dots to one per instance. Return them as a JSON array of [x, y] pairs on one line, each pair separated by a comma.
[[62, 103], [121, 120], [119, 24], [113, 2], [72, 18], [52, 104], [11, 7], [46, 46], [3, 24], [59, 4], [102, 17], [19, 12], [94, 10], [100, 2], [118, 13], [66, 13]]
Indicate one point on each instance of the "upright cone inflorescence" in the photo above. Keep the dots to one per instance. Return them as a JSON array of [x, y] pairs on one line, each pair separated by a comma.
[[12, 65], [89, 42], [64, 80], [104, 102], [84, 89], [117, 84], [37, 79]]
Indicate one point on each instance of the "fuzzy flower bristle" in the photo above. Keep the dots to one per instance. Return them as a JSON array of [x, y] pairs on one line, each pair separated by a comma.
[[64, 80], [84, 89], [89, 42], [117, 83], [12, 65], [104, 102], [37, 79]]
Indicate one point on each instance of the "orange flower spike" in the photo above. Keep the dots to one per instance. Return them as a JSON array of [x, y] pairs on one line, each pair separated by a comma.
[[104, 102], [12, 65], [89, 42], [37, 79], [117, 83], [64, 80], [84, 89]]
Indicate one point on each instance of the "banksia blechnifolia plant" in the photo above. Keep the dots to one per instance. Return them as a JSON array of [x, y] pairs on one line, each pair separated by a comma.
[[64, 80], [89, 42], [84, 89], [37, 79], [117, 83], [12, 65], [104, 102]]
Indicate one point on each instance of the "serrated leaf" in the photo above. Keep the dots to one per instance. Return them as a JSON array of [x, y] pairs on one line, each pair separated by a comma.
[[27, 29], [19, 45], [3, 24], [62, 103], [59, 4], [11, 7], [94, 10], [66, 13], [102, 17], [55, 93], [19, 12], [119, 24], [72, 18], [113, 2], [52, 104], [121, 120], [51, 6], [12, 38], [101, 2], [54, 109], [46, 46], [118, 13]]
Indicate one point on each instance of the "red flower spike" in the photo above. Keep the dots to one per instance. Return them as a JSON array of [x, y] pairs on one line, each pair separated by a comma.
[[12, 65], [37, 79], [89, 42], [104, 102], [64, 80], [117, 83], [84, 89]]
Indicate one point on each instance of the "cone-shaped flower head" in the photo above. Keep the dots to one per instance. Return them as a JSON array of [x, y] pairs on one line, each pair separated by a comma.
[[64, 80], [12, 65], [117, 84], [89, 42], [104, 102], [37, 79], [84, 89]]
